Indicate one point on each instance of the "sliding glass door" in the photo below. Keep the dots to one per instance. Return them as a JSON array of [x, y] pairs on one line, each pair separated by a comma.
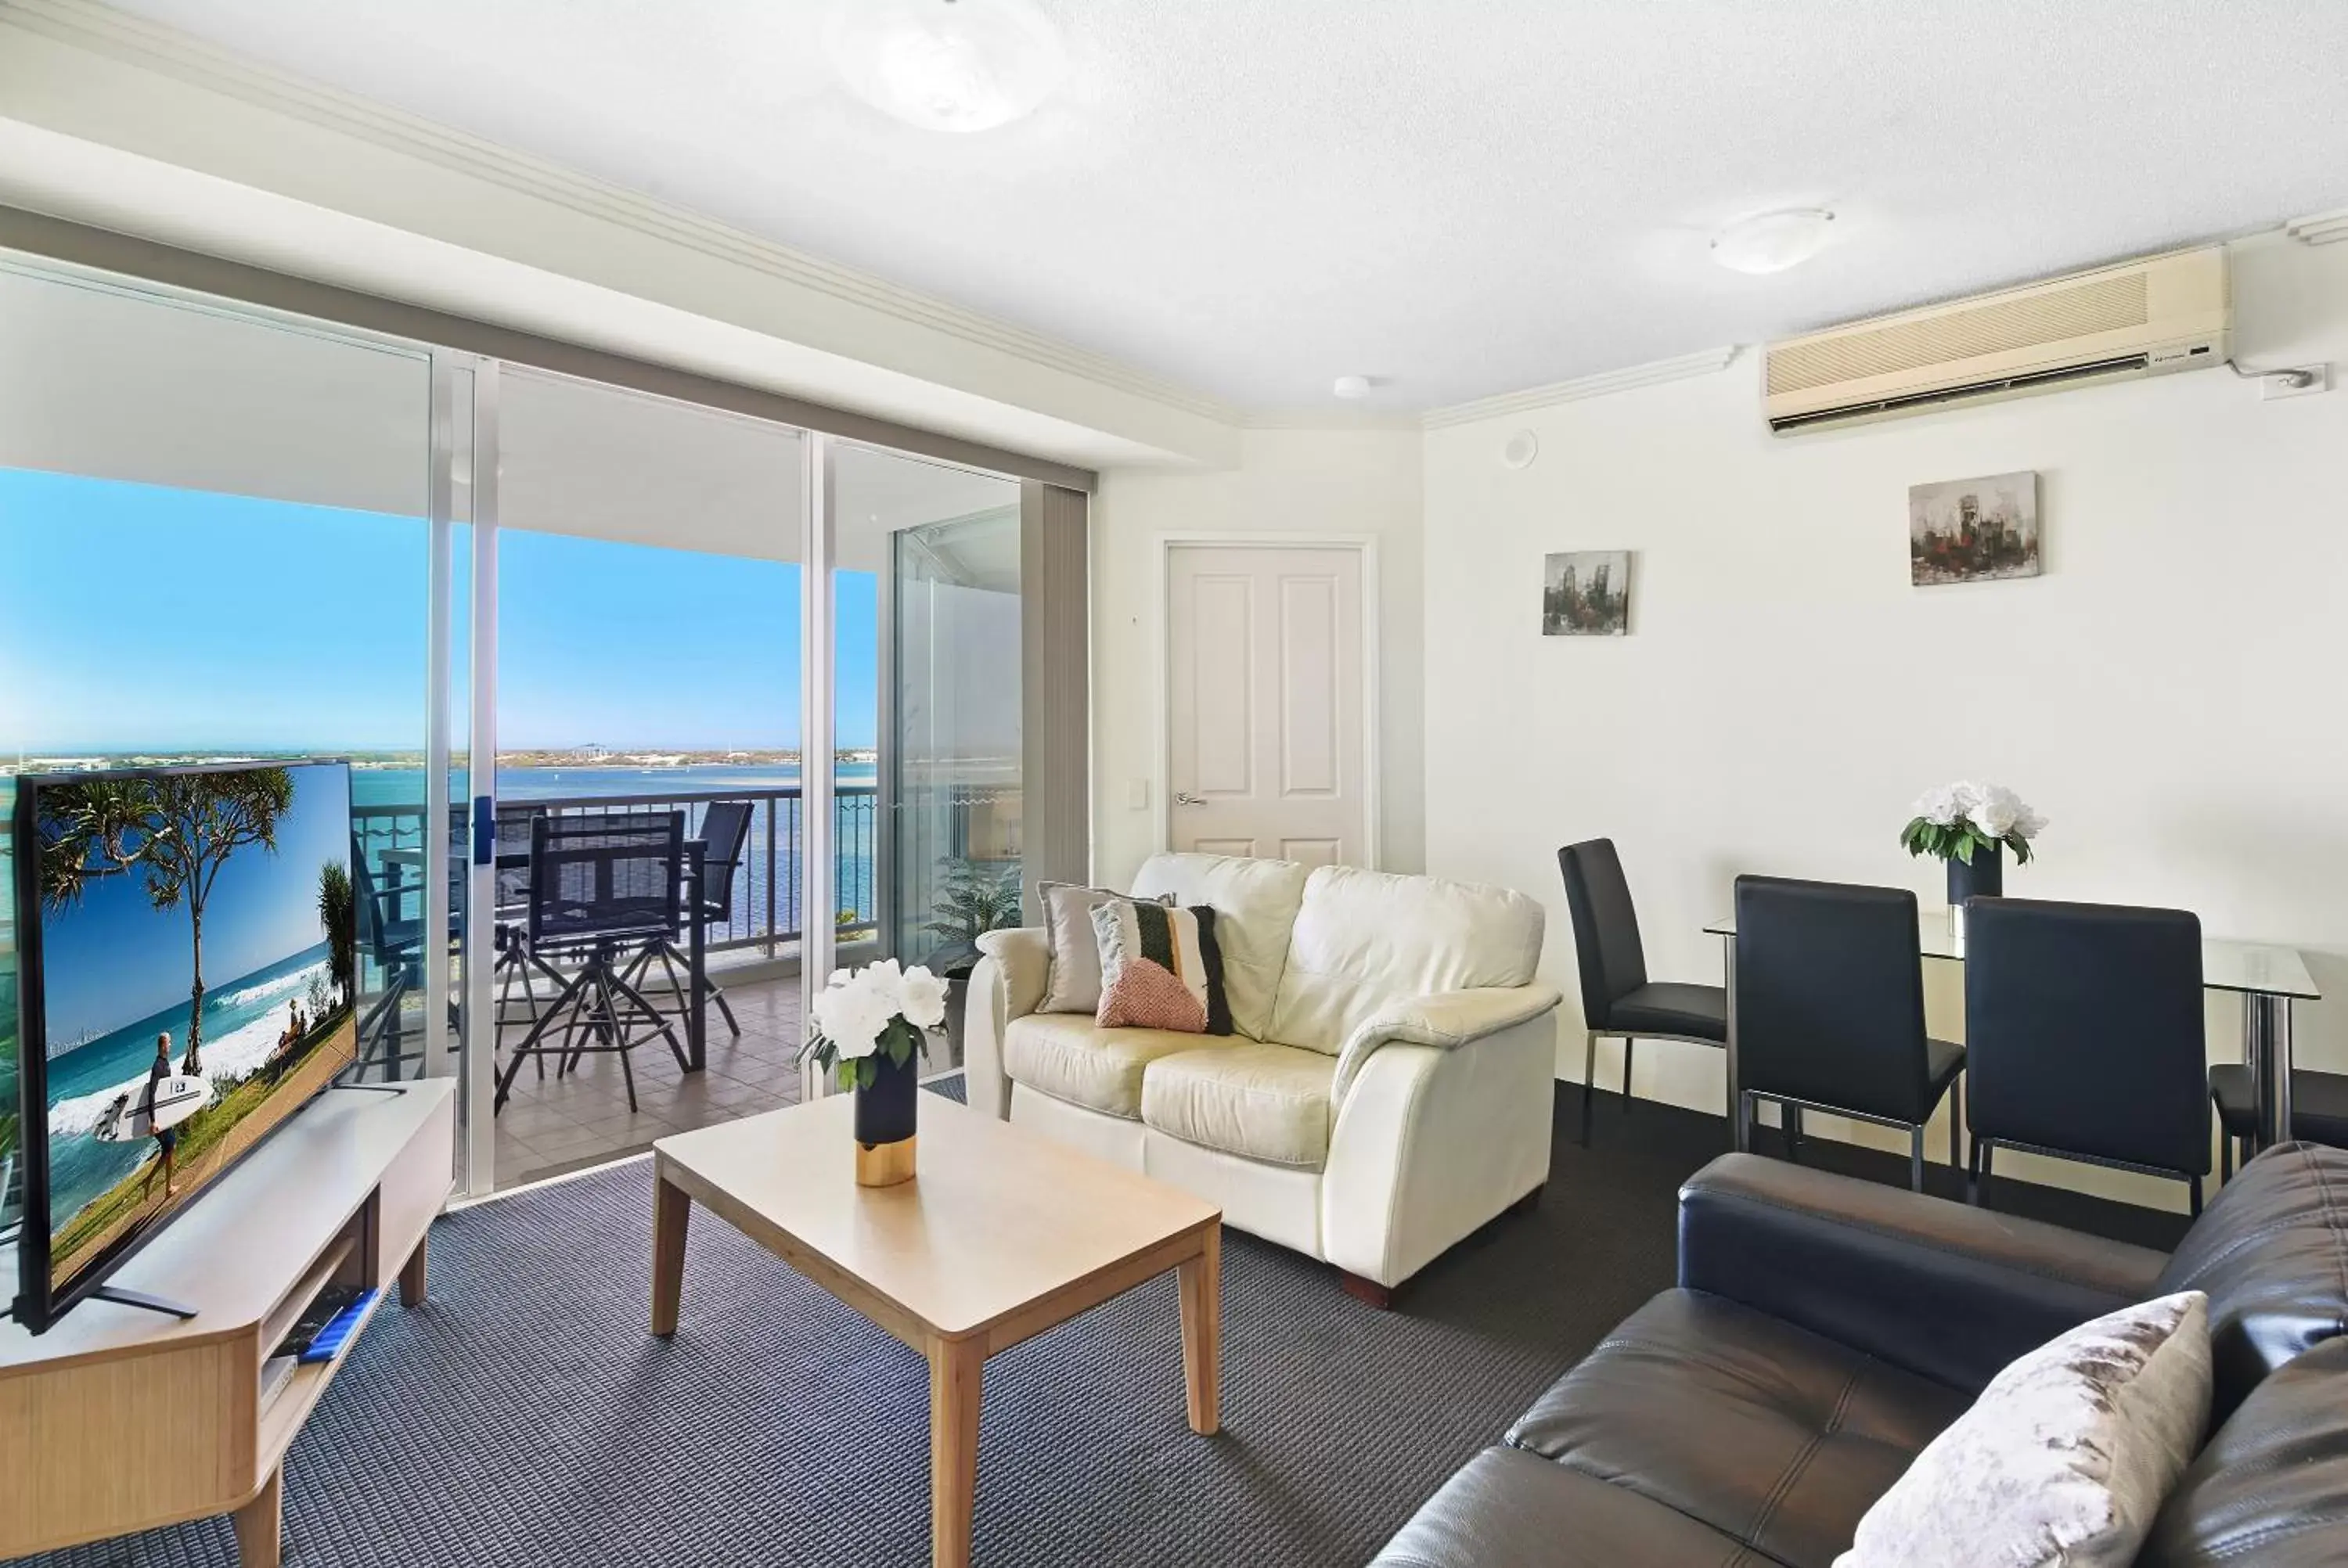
[[220, 533], [649, 588], [529, 609], [928, 641]]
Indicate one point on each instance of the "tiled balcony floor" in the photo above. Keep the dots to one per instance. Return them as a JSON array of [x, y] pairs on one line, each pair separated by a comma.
[[581, 1118]]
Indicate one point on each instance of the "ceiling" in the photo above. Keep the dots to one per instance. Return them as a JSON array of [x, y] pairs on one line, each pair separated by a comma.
[[1459, 197]]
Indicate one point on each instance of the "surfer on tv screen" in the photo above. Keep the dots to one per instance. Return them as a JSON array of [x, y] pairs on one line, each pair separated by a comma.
[[166, 1138]]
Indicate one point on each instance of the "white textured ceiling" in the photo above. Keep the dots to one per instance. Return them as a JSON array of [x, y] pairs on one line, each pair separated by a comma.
[[1457, 197]]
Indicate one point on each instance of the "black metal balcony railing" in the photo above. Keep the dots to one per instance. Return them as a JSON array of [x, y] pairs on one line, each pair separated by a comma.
[[765, 910]]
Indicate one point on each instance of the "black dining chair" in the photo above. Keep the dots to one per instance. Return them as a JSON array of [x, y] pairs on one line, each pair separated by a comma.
[[1617, 998], [1827, 1007], [603, 886], [2085, 1025], [2319, 1110], [725, 831]]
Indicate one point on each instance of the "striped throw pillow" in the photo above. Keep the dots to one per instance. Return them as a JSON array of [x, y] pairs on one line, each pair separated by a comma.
[[1161, 969]]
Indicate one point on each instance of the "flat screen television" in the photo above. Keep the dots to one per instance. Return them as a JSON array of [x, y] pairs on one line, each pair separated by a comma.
[[185, 982]]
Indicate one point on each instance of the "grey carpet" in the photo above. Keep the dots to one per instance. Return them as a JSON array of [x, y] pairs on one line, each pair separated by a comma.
[[524, 1417]]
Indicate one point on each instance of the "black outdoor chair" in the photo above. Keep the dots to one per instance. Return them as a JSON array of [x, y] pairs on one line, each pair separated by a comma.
[[2085, 1025], [603, 886], [517, 959], [1617, 998], [725, 830], [1829, 1012], [395, 946]]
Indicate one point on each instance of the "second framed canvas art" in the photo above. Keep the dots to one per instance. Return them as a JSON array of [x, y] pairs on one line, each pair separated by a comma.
[[1586, 593], [1970, 530]]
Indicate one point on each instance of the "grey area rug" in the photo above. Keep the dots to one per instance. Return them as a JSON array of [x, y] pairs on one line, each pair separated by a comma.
[[524, 1417]]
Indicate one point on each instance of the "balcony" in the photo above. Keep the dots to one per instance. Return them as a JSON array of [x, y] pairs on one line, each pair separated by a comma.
[[566, 1121]]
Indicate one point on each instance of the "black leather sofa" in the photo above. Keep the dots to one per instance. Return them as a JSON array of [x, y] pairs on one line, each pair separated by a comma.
[[1824, 1329]]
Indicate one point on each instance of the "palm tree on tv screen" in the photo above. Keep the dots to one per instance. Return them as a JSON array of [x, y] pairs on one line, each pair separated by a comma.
[[177, 830]]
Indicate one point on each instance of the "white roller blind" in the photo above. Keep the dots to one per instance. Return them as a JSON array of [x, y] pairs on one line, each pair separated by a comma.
[[118, 384], [601, 463]]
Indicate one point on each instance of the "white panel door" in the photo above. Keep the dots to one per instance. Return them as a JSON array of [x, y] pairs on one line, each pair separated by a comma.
[[1265, 702]]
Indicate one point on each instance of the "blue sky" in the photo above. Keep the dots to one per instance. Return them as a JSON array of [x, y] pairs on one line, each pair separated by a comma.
[[113, 959], [140, 618]]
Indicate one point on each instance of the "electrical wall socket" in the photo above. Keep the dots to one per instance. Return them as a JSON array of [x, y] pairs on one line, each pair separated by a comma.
[[2277, 383]]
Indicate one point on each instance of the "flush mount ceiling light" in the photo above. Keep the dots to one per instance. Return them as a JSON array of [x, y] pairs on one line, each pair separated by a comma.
[[948, 65], [1353, 386], [1772, 241]]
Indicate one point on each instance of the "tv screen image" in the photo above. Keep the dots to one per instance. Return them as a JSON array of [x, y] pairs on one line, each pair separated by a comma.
[[187, 980]]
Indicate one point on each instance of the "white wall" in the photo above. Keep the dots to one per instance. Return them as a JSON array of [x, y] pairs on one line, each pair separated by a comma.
[[1288, 481], [2170, 692]]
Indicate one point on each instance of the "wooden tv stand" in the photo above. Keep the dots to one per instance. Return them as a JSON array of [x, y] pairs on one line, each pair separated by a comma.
[[119, 1420]]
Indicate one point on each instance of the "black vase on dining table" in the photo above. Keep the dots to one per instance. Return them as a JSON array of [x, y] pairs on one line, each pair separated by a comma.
[[1983, 876]]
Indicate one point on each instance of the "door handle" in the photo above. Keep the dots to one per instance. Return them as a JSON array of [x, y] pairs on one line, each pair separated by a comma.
[[1184, 797]]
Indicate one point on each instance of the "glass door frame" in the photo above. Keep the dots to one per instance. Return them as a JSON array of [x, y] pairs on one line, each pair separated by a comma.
[[818, 665], [475, 1012]]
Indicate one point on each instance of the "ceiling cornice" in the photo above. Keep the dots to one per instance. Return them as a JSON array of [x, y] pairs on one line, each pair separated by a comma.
[[2323, 228], [133, 40], [1337, 419], [1708, 362]]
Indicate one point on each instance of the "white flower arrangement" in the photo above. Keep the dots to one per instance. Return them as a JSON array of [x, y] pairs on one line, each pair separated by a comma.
[[1956, 821], [878, 1011]]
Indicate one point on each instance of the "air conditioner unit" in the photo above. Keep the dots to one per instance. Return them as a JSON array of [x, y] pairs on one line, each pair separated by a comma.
[[2140, 318]]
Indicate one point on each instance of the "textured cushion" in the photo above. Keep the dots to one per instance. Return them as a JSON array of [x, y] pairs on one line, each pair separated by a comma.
[[1255, 906], [1076, 982], [1771, 1434], [1069, 1057], [2271, 1488], [1268, 1103], [1507, 1509], [1160, 967], [1668, 1007], [1366, 937], [2065, 1460], [2272, 1252]]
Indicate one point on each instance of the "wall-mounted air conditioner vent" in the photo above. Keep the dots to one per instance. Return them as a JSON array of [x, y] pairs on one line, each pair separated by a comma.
[[2143, 318]]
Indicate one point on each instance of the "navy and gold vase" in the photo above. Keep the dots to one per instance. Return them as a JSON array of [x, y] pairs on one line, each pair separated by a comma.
[[884, 1122]]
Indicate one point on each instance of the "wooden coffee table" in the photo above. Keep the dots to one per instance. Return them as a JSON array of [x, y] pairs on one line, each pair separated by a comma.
[[1002, 1235]]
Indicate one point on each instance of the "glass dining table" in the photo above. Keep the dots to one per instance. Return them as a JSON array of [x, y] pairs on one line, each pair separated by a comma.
[[2269, 979]]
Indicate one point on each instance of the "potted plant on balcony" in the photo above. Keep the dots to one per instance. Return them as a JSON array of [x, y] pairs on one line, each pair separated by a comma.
[[974, 898], [1969, 826], [871, 1028]]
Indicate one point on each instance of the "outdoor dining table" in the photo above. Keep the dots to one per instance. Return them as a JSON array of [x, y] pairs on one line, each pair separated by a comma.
[[2268, 978], [696, 1008]]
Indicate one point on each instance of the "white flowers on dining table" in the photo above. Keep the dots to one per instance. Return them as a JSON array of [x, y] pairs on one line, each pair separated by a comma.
[[1954, 820], [1993, 808]]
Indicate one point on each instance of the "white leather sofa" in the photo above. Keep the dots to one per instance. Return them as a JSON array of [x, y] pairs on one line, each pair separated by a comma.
[[1386, 1092]]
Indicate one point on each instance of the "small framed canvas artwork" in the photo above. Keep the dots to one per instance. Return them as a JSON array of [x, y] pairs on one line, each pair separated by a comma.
[[1586, 593], [1970, 531]]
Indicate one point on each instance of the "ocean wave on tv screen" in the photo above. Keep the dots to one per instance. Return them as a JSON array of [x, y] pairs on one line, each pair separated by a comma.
[[284, 988], [227, 1060]]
